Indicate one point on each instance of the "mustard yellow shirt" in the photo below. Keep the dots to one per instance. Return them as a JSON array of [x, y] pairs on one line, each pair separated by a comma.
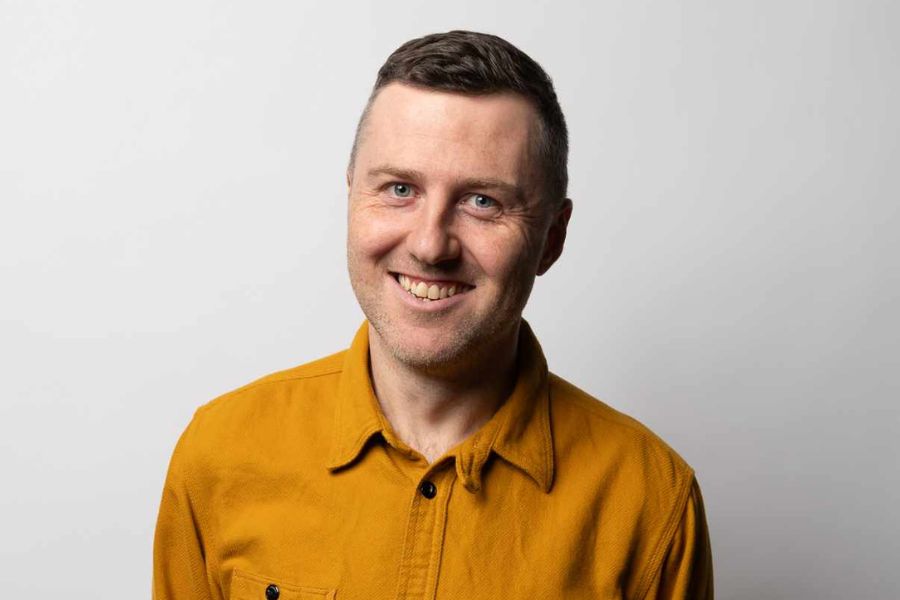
[[294, 487]]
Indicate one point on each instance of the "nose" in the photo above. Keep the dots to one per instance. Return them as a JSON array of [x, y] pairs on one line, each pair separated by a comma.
[[433, 238]]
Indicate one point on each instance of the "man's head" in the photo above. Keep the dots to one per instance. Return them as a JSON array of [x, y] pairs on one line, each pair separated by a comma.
[[455, 206]]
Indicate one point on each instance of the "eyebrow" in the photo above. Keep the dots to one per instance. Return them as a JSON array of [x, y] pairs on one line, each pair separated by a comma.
[[413, 175]]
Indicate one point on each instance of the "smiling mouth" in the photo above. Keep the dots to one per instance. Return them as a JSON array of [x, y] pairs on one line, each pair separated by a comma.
[[429, 291]]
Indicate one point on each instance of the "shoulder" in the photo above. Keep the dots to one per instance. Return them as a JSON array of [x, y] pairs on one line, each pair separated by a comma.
[[287, 411], [590, 432], [309, 375], [623, 472]]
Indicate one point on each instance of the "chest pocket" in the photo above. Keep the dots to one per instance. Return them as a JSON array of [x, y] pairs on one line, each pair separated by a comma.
[[247, 586]]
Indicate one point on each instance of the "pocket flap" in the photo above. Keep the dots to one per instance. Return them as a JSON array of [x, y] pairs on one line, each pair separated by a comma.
[[247, 586]]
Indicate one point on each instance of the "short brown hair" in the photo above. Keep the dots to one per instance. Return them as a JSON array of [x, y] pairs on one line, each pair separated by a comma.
[[475, 63]]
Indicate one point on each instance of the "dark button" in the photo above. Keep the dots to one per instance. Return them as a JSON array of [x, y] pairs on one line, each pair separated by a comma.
[[428, 489], [272, 592]]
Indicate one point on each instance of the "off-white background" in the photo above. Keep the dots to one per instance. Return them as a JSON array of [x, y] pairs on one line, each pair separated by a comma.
[[173, 221]]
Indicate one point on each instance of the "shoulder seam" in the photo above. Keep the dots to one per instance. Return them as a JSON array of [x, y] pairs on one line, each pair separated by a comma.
[[668, 534], [268, 380], [600, 409]]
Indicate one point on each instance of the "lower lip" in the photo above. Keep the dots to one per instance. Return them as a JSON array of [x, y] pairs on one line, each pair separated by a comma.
[[427, 305]]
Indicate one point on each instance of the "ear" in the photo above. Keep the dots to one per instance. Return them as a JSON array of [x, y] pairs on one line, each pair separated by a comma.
[[556, 236]]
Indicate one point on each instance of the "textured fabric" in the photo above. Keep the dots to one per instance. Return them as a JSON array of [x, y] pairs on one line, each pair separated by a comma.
[[298, 481]]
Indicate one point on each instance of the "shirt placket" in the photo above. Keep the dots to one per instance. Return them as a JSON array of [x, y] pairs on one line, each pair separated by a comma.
[[424, 542]]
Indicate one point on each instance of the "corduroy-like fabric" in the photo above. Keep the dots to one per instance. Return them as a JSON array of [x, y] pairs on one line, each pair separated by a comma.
[[298, 481]]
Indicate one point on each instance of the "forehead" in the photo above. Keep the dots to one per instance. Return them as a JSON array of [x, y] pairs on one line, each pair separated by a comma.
[[450, 134]]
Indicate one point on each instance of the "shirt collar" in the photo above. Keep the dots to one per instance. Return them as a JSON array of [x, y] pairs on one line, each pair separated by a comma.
[[519, 432]]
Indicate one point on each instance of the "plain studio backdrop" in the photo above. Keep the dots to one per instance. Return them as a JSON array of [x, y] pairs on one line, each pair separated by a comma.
[[173, 224]]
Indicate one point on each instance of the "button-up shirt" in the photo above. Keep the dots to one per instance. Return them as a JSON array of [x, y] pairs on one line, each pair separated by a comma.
[[296, 487]]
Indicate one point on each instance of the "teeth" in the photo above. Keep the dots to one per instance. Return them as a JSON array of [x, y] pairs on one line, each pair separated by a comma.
[[426, 292]]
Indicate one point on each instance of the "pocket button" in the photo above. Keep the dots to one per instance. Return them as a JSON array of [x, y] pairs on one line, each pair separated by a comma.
[[272, 592]]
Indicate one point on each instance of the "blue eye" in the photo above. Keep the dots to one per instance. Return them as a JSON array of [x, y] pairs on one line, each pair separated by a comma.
[[401, 190], [482, 201]]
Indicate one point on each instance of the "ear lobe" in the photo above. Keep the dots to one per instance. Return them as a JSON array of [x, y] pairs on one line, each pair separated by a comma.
[[556, 237]]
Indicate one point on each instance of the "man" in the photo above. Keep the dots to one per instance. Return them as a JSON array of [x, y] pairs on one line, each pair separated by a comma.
[[437, 457]]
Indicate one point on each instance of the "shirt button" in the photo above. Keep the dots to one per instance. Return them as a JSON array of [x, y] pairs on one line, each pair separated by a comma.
[[272, 592], [428, 489]]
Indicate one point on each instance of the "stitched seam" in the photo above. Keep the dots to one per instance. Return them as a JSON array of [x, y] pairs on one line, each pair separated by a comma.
[[437, 553], [408, 552], [256, 384], [187, 534], [548, 444], [668, 534], [598, 409], [291, 587]]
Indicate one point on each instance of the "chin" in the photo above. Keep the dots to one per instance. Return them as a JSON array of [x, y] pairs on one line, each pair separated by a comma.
[[421, 349], [423, 355]]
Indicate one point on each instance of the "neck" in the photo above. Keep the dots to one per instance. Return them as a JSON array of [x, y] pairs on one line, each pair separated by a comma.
[[433, 410]]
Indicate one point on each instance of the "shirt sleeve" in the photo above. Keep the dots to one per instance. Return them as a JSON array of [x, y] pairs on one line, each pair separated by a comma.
[[686, 571], [179, 570]]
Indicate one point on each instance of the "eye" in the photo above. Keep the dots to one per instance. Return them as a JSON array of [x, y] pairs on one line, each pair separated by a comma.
[[481, 201], [401, 190]]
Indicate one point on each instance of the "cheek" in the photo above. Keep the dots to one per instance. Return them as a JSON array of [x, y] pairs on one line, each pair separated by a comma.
[[370, 235], [504, 256]]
